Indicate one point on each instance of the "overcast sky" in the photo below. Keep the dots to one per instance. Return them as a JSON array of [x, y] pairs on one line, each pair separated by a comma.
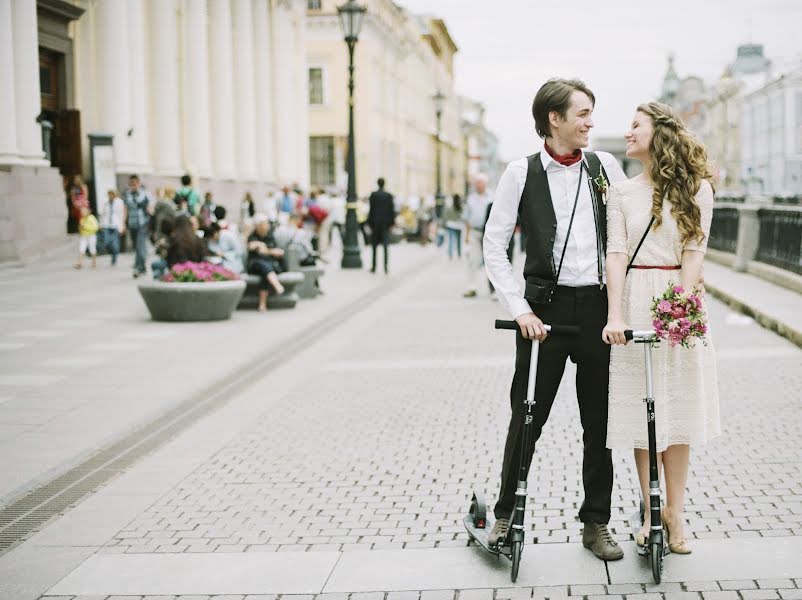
[[508, 48]]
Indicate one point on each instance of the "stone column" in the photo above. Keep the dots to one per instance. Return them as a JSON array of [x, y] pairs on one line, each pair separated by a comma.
[[748, 232], [140, 82], [113, 80], [244, 88], [263, 90], [302, 116], [165, 130], [9, 153], [221, 89], [27, 94], [195, 96], [285, 93]]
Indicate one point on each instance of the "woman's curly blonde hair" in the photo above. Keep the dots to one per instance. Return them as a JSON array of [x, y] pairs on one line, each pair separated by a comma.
[[678, 166]]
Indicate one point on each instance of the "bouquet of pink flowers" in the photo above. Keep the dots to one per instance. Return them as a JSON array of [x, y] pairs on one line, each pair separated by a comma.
[[197, 272], [678, 317]]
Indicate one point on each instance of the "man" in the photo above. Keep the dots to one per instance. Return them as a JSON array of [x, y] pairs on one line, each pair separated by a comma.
[[186, 198], [381, 217], [558, 195], [138, 208], [474, 216], [285, 203]]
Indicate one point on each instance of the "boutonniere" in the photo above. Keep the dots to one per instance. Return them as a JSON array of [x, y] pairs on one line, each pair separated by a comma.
[[602, 185]]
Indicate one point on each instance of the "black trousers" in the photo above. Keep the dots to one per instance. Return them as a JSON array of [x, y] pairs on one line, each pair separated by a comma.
[[380, 235], [587, 308]]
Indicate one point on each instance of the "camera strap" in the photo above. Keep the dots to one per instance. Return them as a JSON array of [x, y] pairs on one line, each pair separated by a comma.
[[570, 224]]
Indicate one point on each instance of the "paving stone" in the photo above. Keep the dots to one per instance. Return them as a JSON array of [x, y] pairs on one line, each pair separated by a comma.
[[759, 594], [791, 594], [723, 595], [702, 586], [775, 583], [483, 594], [738, 585]]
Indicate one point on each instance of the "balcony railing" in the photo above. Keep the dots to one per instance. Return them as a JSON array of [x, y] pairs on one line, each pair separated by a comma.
[[780, 238], [724, 229]]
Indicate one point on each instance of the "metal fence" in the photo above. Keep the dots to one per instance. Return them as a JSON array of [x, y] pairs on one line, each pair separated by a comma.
[[780, 238], [724, 229]]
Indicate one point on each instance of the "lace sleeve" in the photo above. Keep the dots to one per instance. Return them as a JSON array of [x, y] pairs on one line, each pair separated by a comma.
[[705, 201], [616, 223]]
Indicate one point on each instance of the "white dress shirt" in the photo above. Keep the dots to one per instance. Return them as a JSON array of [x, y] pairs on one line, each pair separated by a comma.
[[111, 215], [580, 266]]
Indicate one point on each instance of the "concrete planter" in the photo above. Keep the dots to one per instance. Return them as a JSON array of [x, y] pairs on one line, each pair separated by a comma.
[[207, 301]]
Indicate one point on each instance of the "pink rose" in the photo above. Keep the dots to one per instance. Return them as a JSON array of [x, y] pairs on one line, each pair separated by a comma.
[[664, 306], [678, 289]]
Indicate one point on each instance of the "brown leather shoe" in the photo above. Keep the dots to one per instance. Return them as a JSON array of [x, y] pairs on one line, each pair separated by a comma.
[[596, 537], [499, 532]]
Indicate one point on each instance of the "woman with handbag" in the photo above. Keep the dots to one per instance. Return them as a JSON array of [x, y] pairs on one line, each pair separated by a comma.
[[658, 224]]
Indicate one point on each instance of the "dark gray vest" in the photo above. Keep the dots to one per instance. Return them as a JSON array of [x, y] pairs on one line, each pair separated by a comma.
[[539, 223]]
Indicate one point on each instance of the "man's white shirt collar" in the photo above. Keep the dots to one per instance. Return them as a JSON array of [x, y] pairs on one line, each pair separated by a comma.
[[546, 160]]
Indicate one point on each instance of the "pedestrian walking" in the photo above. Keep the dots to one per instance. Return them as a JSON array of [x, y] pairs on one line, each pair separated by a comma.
[[186, 199], [452, 217], [87, 228], [112, 221], [664, 215], [138, 210], [555, 194], [77, 197], [474, 218], [381, 217]]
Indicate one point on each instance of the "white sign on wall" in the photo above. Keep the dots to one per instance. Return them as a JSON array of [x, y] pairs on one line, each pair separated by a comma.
[[105, 172]]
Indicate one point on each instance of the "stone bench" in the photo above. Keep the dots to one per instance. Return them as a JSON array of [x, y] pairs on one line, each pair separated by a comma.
[[310, 286], [290, 280]]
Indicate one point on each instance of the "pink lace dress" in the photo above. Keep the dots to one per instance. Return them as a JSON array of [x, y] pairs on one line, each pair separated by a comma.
[[685, 384]]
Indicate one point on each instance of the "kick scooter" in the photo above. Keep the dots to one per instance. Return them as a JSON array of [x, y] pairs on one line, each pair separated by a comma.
[[477, 521]]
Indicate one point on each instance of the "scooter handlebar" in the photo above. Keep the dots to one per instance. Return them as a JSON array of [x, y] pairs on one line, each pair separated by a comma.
[[643, 336], [552, 329]]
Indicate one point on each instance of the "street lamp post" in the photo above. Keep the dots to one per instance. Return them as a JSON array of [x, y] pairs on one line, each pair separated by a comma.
[[439, 200], [351, 17]]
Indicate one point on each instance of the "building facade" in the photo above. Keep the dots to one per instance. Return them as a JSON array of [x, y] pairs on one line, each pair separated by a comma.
[[480, 144], [771, 137], [401, 61], [213, 88]]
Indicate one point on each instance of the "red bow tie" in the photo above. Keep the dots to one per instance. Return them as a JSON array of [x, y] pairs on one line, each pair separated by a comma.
[[564, 159]]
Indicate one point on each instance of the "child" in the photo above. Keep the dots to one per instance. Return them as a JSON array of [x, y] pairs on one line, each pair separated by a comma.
[[87, 228]]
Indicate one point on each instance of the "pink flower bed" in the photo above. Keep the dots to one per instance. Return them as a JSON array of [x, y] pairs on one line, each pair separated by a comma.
[[198, 272]]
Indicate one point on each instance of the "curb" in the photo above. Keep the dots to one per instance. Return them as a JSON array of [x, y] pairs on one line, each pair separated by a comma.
[[764, 319]]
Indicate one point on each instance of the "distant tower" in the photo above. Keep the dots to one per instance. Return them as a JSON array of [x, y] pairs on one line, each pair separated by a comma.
[[671, 83]]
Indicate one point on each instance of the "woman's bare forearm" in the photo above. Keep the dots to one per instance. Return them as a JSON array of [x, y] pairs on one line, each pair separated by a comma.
[[616, 275]]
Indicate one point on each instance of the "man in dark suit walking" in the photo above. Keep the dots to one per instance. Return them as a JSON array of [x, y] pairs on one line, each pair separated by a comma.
[[380, 218]]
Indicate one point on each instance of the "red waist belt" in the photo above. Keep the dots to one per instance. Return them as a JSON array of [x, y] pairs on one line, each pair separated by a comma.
[[662, 268]]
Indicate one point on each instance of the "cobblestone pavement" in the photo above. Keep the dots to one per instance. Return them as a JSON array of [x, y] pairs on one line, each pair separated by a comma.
[[772, 589], [381, 447]]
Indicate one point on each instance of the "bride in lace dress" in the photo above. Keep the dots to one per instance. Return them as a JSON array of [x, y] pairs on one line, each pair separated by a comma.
[[674, 189]]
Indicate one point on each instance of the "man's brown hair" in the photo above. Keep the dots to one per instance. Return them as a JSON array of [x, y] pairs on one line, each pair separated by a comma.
[[555, 95]]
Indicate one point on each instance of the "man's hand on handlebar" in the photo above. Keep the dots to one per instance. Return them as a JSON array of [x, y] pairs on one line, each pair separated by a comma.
[[531, 327]]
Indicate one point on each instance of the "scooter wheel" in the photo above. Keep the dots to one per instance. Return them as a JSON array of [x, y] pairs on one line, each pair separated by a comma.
[[515, 555], [656, 557], [478, 511]]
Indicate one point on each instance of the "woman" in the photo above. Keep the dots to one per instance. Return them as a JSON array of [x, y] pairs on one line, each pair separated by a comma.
[[184, 244], [454, 226], [77, 199], [675, 191], [263, 259]]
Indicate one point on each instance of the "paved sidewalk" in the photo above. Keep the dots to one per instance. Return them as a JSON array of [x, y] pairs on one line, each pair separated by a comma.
[[773, 306], [82, 364], [348, 479]]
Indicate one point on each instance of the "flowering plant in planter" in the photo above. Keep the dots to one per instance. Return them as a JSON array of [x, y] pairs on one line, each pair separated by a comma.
[[679, 317], [198, 272]]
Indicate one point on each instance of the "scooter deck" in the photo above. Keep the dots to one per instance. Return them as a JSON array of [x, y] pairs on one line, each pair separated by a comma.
[[480, 535]]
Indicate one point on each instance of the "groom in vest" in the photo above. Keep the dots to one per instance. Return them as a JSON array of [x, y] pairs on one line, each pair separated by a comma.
[[558, 194]]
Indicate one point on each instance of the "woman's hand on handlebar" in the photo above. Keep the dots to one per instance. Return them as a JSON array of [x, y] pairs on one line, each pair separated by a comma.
[[613, 332], [531, 327]]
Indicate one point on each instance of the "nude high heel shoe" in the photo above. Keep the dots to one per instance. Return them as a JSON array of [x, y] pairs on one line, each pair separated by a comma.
[[679, 547]]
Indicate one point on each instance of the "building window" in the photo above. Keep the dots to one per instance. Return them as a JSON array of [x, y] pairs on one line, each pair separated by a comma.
[[321, 160], [316, 86], [313, 4]]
